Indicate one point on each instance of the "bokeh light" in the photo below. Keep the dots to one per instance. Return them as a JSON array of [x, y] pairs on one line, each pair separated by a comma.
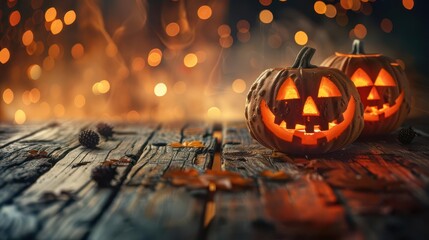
[[27, 37], [331, 11], [408, 4], [34, 95], [190, 60], [56, 26], [204, 12], [360, 31], [4, 55], [14, 18], [154, 57], [301, 38], [77, 51], [172, 29], [160, 89], [20, 117], [34, 72], [224, 30], [50, 14], [266, 16], [56, 63], [69, 17], [386, 25], [320, 7], [214, 113], [238, 85], [8, 96]]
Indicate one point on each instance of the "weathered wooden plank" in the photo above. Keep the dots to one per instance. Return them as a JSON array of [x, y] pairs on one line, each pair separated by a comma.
[[19, 167], [374, 187], [147, 208], [370, 189], [13, 133], [76, 215], [273, 210]]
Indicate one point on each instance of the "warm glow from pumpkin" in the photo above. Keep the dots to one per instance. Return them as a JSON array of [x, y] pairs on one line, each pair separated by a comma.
[[288, 90], [328, 89], [372, 114], [373, 95], [310, 108], [361, 79], [281, 131], [384, 79]]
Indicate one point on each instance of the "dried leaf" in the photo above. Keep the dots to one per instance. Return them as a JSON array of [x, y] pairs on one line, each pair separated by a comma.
[[79, 164], [191, 178], [35, 154], [193, 144], [278, 175], [176, 144]]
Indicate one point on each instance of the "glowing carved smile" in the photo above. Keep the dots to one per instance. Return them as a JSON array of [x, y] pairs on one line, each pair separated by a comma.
[[334, 131], [373, 113]]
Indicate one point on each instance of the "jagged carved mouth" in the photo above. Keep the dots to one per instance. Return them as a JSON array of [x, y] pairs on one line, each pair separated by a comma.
[[374, 113], [335, 128]]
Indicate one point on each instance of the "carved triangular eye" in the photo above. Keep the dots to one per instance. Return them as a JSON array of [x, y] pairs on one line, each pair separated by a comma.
[[288, 90], [384, 79], [310, 108], [328, 89], [361, 79]]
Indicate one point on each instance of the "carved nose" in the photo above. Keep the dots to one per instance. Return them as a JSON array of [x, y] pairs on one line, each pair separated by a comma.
[[373, 95], [310, 108]]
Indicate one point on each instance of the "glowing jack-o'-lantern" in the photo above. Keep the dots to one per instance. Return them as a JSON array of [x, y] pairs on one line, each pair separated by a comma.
[[382, 85], [304, 109]]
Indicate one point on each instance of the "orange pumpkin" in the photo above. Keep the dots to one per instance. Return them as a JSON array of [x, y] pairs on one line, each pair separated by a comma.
[[382, 85], [304, 109]]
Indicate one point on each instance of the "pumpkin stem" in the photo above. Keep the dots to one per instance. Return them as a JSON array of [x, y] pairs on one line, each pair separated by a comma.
[[357, 47], [304, 57]]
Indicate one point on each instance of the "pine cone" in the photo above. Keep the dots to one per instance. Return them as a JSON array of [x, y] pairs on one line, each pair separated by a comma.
[[406, 135], [89, 138], [105, 130], [103, 175]]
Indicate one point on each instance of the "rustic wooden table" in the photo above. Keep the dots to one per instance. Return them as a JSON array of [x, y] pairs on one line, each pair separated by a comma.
[[373, 189]]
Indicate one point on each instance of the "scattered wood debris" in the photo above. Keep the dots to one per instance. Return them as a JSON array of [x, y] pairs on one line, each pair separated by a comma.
[[223, 180], [122, 162], [191, 144], [36, 154], [79, 164]]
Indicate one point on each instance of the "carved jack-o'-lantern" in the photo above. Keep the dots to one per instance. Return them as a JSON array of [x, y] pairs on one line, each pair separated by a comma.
[[304, 109], [382, 85]]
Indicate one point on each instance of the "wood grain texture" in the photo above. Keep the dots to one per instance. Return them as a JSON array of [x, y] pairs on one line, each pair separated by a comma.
[[149, 208], [373, 189], [19, 168]]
